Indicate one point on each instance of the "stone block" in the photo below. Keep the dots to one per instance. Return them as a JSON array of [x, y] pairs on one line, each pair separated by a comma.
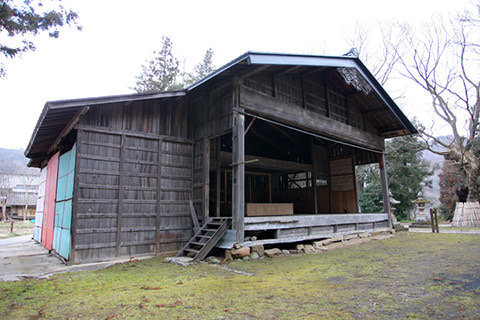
[[309, 248], [240, 253], [273, 252], [258, 249]]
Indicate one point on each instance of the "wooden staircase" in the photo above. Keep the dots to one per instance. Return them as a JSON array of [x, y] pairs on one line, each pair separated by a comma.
[[205, 238]]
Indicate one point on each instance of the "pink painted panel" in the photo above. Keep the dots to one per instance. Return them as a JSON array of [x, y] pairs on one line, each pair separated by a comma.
[[49, 208]]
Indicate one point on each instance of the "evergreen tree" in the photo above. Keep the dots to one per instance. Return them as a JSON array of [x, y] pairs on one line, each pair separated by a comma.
[[202, 69], [407, 172], [160, 73], [407, 176], [371, 195], [20, 20]]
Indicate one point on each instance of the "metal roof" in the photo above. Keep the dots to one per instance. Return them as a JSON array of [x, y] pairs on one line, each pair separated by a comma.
[[57, 116], [275, 59]]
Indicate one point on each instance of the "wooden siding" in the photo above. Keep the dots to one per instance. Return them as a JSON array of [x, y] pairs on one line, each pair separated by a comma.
[[309, 102], [133, 195], [212, 112], [134, 181], [201, 179], [288, 113], [168, 118]]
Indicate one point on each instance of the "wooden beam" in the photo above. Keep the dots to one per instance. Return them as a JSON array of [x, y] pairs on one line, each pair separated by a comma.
[[249, 125], [254, 71], [67, 129], [269, 163], [307, 120], [193, 214], [287, 71], [300, 221], [76, 183]]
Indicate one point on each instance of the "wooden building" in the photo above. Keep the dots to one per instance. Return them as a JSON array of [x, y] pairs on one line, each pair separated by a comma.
[[270, 140]]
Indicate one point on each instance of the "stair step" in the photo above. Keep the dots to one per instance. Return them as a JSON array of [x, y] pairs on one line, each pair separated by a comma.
[[215, 223], [205, 238]]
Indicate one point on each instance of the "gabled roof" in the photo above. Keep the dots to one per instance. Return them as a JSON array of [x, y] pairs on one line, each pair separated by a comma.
[[58, 117], [244, 64]]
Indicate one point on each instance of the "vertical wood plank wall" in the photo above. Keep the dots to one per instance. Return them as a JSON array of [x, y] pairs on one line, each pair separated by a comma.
[[37, 231], [134, 186], [201, 178]]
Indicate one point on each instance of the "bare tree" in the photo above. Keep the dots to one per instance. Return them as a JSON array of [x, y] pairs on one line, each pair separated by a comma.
[[4, 193], [443, 60], [29, 181], [385, 40]]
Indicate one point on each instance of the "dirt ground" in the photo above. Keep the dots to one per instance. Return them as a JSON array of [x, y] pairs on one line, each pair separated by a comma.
[[410, 276]]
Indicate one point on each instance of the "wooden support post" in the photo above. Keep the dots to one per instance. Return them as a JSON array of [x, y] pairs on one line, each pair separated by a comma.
[[206, 178], [314, 176], [218, 176], [121, 186], [238, 170], [159, 196], [76, 188], [385, 191], [434, 220]]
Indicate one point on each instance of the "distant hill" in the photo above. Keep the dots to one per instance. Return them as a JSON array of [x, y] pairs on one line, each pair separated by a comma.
[[432, 193], [436, 162], [12, 161]]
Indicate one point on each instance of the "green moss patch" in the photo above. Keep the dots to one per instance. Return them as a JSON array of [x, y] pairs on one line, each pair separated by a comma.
[[411, 276]]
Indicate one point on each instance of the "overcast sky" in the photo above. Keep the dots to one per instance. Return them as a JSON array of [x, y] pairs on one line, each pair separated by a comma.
[[119, 36]]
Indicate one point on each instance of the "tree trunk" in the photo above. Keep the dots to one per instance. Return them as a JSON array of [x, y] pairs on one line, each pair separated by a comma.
[[472, 183], [4, 211]]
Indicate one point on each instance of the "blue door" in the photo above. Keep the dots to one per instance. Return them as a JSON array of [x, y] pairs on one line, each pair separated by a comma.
[[63, 203]]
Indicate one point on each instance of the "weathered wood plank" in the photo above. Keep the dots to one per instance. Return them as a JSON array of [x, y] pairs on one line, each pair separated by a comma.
[[302, 118], [272, 164], [385, 191], [299, 221], [238, 173]]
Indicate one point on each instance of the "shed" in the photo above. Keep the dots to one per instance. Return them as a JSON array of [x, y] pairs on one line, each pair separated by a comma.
[[268, 140]]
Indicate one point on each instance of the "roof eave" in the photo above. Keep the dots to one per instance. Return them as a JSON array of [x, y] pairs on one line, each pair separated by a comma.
[[73, 103]]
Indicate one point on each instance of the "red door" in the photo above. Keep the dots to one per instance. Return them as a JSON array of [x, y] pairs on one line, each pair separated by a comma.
[[49, 208]]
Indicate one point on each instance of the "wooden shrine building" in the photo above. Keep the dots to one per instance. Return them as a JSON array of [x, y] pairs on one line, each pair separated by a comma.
[[270, 140]]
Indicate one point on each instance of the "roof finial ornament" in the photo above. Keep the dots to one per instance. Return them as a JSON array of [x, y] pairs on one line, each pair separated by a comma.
[[352, 53]]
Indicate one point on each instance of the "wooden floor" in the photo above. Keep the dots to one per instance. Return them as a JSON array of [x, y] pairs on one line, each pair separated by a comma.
[[296, 228]]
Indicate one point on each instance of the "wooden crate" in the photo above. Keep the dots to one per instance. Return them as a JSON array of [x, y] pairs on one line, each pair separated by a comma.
[[269, 209]]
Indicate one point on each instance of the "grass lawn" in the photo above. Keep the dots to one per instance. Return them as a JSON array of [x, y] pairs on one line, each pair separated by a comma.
[[20, 228], [411, 276]]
